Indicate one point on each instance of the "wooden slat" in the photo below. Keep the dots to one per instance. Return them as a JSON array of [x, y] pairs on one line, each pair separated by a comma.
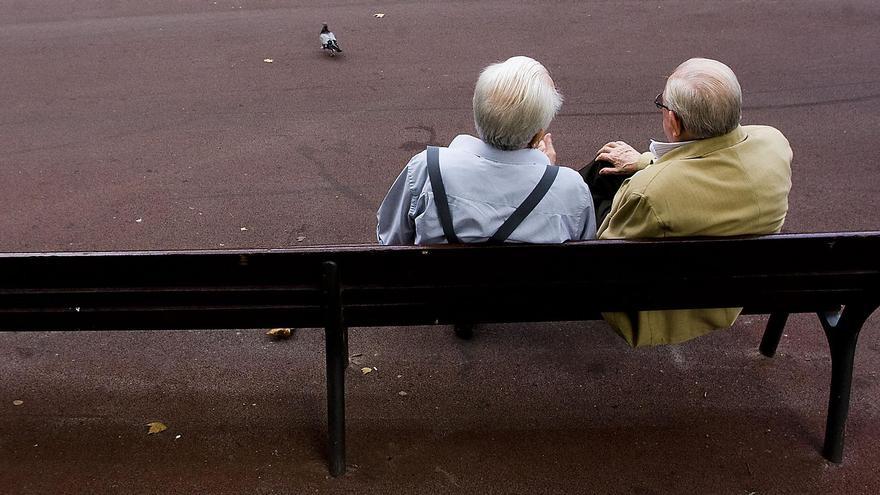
[[421, 285]]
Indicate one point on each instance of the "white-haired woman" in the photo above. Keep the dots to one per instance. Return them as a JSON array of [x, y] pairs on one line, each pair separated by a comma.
[[502, 186]]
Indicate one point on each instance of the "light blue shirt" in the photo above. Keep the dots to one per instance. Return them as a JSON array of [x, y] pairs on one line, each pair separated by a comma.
[[484, 185]]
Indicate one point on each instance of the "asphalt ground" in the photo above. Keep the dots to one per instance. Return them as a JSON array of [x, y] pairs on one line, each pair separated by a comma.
[[158, 125]]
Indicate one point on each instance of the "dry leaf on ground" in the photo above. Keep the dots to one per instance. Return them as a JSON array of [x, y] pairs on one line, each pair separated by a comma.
[[366, 370], [280, 333], [156, 427]]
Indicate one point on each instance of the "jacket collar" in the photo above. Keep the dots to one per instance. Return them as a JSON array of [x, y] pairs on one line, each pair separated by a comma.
[[470, 144], [704, 147]]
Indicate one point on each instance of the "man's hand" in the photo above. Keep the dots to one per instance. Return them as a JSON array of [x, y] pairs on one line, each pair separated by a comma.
[[621, 155], [545, 145]]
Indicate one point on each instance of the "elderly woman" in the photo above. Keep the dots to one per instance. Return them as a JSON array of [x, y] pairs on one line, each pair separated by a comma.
[[500, 187]]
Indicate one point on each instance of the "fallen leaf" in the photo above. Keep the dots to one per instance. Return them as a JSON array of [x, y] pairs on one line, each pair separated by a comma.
[[17, 402], [366, 370], [380, 15], [268, 60], [280, 333], [156, 427]]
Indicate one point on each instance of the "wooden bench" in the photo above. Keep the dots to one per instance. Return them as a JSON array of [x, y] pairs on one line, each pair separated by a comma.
[[836, 275]]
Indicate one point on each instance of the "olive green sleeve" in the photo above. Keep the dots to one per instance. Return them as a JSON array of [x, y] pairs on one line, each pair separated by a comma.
[[631, 217]]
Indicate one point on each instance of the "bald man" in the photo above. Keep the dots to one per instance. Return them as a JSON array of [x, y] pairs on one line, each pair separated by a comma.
[[711, 177]]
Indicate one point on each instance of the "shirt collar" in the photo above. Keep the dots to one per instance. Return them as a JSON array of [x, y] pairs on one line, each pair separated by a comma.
[[703, 147], [470, 144], [660, 148]]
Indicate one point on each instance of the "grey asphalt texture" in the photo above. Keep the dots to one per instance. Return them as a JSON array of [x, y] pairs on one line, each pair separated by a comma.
[[158, 125]]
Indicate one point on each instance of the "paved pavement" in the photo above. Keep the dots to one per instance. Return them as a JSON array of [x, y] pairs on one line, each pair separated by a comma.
[[158, 125]]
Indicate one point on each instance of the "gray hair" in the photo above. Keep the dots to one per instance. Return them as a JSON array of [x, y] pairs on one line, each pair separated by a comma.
[[513, 101], [706, 96]]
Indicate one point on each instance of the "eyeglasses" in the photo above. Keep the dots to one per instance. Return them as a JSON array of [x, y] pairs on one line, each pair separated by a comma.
[[659, 102]]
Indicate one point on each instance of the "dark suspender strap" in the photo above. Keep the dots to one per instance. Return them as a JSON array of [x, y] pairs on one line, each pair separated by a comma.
[[440, 199], [529, 204]]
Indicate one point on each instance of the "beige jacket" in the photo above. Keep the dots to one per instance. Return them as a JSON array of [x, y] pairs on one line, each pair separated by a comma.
[[729, 185]]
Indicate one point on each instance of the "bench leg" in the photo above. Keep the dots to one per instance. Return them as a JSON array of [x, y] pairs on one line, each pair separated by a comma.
[[775, 326], [842, 330], [336, 339]]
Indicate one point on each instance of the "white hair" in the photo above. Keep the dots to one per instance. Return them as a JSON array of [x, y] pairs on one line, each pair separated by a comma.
[[513, 101], [706, 96]]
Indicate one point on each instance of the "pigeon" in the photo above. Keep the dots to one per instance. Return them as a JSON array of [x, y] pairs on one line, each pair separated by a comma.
[[328, 41]]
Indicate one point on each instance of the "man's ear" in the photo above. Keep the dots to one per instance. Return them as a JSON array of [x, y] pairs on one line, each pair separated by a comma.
[[537, 138], [675, 125]]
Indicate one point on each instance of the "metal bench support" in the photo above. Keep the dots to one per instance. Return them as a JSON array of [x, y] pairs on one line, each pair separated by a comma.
[[842, 330], [775, 326], [336, 337]]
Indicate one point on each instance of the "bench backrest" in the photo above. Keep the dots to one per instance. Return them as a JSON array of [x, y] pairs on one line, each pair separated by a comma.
[[423, 285]]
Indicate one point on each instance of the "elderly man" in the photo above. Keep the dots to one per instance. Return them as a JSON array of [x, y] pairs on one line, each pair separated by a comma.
[[712, 177], [498, 187]]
